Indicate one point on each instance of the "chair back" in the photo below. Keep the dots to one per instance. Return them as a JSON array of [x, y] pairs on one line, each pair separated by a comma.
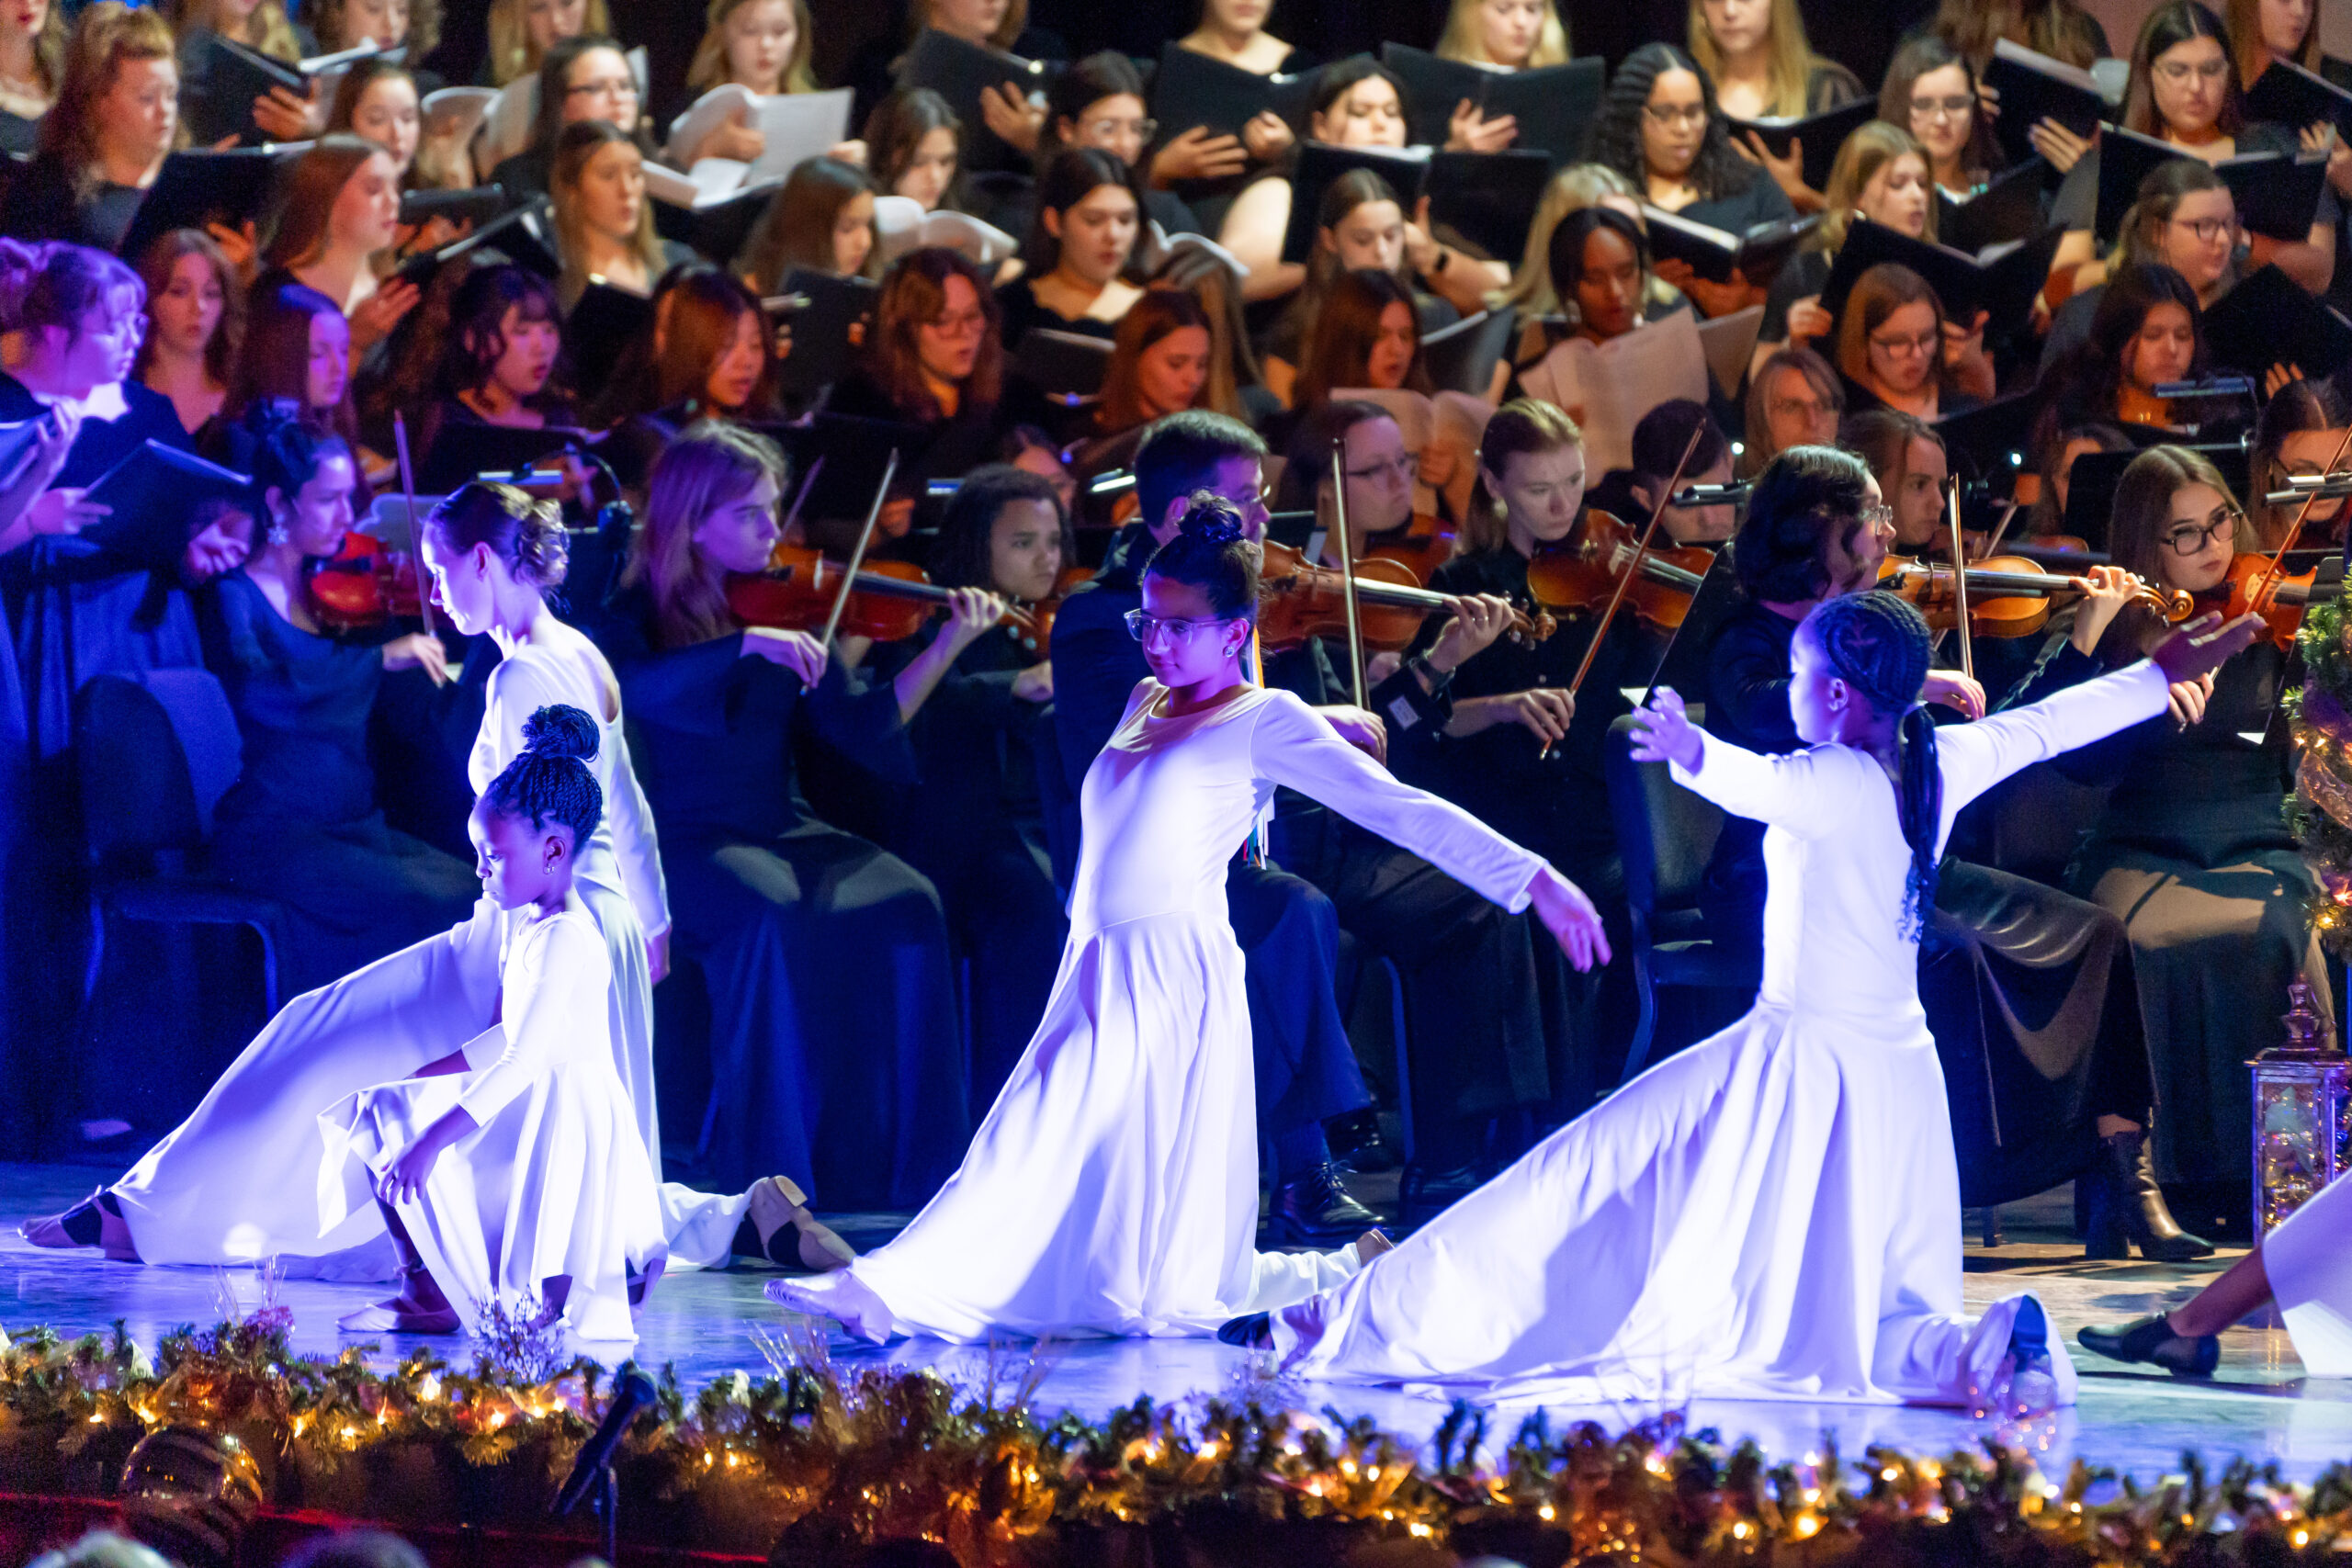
[[1665, 832], [2033, 824], [155, 753], [1054, 801]]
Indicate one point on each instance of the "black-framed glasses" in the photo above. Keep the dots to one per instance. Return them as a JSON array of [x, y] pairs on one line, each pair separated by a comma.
[[2189, 539]]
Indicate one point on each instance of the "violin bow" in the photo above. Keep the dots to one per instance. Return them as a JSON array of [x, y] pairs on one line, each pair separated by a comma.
[[857, 556], [1641, 554], [415, 534], [2268, 581], [1959, 587], [807, 483], [1347, 570]]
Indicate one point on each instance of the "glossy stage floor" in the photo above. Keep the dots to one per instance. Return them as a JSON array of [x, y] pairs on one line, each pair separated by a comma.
[[2260, 1405]]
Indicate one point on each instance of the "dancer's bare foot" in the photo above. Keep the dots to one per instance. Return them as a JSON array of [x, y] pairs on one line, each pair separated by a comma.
[[97, 1221], [1371, 1244], [791, 1236]]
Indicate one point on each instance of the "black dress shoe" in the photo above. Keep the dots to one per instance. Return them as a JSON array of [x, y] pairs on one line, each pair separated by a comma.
[[1254, 1332], [2152, 1340], [1313, 1209], [2127, 1208]]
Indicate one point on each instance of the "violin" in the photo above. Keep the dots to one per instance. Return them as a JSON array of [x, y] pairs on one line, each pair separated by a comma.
[[887, 600], [1583, 572], [1037, 638], [1423, 544], [2021, 596], [2256, 586], [1298, 599], [2135, 405], [364, 585]]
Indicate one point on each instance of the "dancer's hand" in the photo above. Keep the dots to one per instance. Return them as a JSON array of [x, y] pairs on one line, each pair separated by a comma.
[[657, 956], [1663, 732], [2204, 645], [405, 1180], [1569, 916]]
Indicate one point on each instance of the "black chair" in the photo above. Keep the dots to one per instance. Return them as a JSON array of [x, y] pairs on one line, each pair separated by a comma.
[[1666, 833], [155, 753]]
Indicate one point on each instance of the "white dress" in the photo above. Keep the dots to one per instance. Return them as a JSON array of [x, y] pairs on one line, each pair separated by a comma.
[[234, 1183], [554, 1179], [2309, 1267], [1113, 1188], [1773, 1213]]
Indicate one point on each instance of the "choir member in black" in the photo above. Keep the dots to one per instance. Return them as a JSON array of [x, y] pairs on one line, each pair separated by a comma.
[[296, 348], [103, 140], [822, 219], [1100, 102], [1659, 125], [604, 219], [522, 32], [761, 46], [705, 355], [914, 144], [1896, 348], [196, 310], [32, 63], [1763, 67], [2191, 852], [1481, 1009], [301, 824], [280, 114], [1793, 400], [498, 360], [338, 213], [974, 823], [2147, 331], [1306, 1070], [1930, 91], [835, 1041], [587, 77], [2184, 218], [2029, 994], [1166, 358], [2300, 430], [1090, 212], [1365, 335]]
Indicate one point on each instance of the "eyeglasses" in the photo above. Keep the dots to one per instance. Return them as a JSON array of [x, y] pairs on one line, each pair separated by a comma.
[[2207, 229], [958, 325], [1667, 115], [1879, 517], [1797, 407], [2179, 70], [2191, 539], [610, 87], [1142, 625], [1407, 468], [1952, 107], [1926, 343], [1143, 129]]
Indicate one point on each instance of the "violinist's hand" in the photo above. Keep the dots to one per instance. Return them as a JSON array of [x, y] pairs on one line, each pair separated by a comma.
[[1468, 130], [1808, 320], [1268, 136], [1360, 730], [2060, 146], [1955, 691], [2187, 699], [1199, 155], [217, 548], [284, 116], [419, 650], [378, 314], [797, 651], [1569, 916], [1035, 684], [657, 956], [2203, 646], [2111, 589], [1016, 121], [1663, 732], [970, 612], [1475, 621], [1545, 710]]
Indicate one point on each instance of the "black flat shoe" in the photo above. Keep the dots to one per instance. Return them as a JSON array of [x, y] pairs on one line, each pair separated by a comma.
[[2152, 1341], [1255, 1332], [1313, 1210]]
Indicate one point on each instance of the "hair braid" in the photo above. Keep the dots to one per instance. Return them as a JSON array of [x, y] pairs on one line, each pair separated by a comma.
[[551, 781], [1878, 645]]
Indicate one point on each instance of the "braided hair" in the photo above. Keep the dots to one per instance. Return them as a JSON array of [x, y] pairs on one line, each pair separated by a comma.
[[551, 781], [1878, 645], [1212, 552]]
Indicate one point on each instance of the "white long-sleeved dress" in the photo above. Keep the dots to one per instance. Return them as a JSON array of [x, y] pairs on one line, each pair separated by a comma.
[[1773, 1213], [235, 1182], [1113, 1188], [553, 1183]]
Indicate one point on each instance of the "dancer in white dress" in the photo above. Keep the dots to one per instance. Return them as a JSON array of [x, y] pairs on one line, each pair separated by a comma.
[[231, 1184], [511, 1170], [1774, 1213], [1113, 1188]]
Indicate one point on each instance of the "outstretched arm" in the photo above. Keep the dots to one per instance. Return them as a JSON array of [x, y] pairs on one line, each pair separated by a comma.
[[1803, 793]]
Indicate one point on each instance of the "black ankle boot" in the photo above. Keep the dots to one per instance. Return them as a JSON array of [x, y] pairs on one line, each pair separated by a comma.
[[2127, 1207]]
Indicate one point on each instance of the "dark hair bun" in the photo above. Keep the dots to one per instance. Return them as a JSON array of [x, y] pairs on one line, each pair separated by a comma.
[[1212, 520], [559, 729]]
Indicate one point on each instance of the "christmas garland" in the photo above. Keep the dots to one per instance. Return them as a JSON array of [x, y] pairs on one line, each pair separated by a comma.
[[2319, 811], [814, 1462]]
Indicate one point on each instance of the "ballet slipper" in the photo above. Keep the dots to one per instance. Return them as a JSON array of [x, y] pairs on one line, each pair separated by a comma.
[[844, 1297], [791, 1236], [400, 1316], [97, 1221]]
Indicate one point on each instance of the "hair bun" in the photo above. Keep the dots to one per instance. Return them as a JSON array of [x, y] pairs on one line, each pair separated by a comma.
[[559, 729], [1212, 520]]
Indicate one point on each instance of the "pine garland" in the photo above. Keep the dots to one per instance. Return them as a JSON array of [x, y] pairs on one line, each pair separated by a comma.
[[816, 1462], [2319, 813]]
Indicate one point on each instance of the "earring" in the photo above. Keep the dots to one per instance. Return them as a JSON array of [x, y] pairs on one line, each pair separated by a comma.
[[279, 531]]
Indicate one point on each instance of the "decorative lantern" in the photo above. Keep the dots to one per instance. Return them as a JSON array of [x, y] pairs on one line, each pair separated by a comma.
[[2302, 1113]]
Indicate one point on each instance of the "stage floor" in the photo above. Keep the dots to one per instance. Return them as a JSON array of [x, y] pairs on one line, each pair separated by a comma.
[[2260, 1405]]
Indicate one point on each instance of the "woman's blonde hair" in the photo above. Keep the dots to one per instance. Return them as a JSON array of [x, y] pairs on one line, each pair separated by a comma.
[[1521, 425], [276, 37], [2252, 54], [1872, 147], [326, 19], [1016, 17], [1460, 40], [1789, 57], [109, 36], [49, 48], [710, 464], [511, 54], [709, 67], [1573, 188], [574, 150]]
